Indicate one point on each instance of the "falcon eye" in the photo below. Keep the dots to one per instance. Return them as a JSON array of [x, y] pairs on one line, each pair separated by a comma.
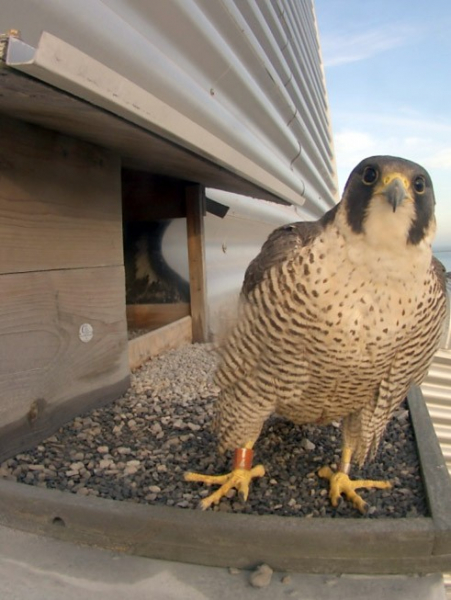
[[419, 184], [370, 175]]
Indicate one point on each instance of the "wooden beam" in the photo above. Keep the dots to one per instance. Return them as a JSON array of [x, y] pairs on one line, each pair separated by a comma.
[[195, 211], [152, 316], [60, 201], [161, 340]]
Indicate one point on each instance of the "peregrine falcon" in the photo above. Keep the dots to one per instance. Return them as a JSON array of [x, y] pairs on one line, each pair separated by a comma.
[[338, 318]]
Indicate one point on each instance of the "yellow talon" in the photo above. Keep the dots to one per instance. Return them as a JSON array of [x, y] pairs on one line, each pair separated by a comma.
[[238, 479], [340, 483]]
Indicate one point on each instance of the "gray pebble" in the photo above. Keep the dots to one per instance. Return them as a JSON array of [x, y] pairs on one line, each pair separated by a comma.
[[261, 577], [307, 444]]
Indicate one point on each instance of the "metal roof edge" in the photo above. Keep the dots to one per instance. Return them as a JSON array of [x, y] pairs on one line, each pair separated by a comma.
[[61, 65]]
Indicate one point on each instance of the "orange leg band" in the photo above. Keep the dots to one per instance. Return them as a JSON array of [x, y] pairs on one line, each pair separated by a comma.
[[243, 458]]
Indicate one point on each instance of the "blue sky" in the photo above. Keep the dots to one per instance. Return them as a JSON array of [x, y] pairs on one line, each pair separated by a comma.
[[388, 76]]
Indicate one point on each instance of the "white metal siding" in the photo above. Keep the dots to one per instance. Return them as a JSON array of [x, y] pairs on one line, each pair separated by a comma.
[[250, 73], [437, 393], [437, 389]]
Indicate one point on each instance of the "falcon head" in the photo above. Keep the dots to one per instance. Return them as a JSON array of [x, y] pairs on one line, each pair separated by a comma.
[[390, 200]]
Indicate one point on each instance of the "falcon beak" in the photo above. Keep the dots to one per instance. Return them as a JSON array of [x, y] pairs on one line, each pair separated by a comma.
[[395, 190]]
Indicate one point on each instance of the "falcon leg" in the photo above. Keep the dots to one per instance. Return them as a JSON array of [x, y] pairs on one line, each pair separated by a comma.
[[340, 483], [239, 478]]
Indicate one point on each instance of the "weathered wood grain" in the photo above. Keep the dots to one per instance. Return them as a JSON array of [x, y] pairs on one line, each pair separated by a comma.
[[161, 340], [195, 211], [60, 201], [47, 373], [152, 316]]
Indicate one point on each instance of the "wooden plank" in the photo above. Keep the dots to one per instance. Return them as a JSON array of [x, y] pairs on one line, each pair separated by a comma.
[[195, 211], [152, 316], [60, 201], [161, 340], [147, 197], [47, 373]]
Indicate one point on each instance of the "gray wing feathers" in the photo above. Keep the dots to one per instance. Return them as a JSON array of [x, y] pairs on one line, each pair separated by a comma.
[[277, 248]]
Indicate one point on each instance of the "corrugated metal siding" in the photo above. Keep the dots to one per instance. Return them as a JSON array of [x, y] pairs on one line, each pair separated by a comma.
[[249, 72], [437, 390], [437, 393]]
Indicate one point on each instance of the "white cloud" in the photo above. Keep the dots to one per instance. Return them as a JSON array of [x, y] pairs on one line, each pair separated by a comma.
[[440, 159], [347, 47], [351, 146], [431, 151]]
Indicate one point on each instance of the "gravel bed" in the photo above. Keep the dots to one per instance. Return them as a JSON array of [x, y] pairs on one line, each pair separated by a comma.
[[138, 447]]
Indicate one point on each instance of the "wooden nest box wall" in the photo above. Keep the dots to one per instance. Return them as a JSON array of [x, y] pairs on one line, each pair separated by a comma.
[[63, 321], [163, 306]]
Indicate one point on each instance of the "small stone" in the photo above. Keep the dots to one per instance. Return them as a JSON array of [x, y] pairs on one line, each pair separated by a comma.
[[103, 449], [124, 450], [234, 571], [156, 428], [130, 470], [286, 579], [261, 577], [154, 489], [307, 444], [72, 473], [193, 426], [76, 466]]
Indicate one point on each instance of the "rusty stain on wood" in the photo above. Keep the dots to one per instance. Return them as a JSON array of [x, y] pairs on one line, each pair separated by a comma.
[[152, 316]]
